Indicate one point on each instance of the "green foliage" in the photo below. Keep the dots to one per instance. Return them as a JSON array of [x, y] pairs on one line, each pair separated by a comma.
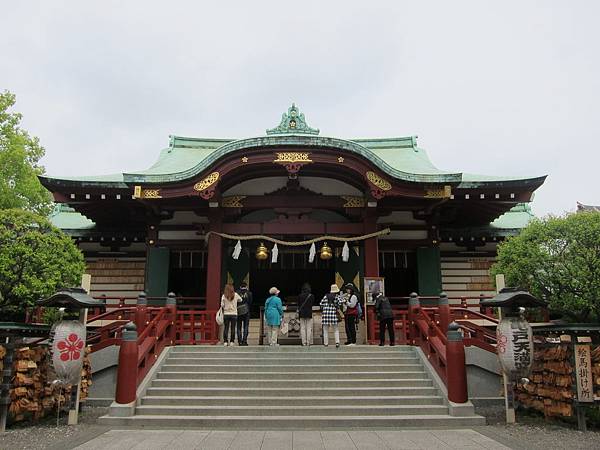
[[19, 164], [557, 259], [36, 259]]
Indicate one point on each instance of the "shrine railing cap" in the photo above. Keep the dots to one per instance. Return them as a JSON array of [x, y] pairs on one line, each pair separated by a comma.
[[71, 297], [513, 297]]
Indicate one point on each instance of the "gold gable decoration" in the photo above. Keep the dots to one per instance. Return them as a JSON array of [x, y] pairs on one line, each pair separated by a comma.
[[138, 192], [378, 181], [293, 157], [234, 201], [353, 201], [438, 192], [207, 182]]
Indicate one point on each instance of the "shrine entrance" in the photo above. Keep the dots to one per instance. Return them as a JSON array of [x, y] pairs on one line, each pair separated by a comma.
[[288, 274]]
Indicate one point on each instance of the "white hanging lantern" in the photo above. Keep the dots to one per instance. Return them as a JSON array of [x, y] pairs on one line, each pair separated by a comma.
[[515, 346], [68, 350]]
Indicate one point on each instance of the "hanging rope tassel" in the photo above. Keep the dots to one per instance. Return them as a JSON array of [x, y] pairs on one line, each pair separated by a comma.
[[312, 253], [274, 254], [237, 250], [345, 252]]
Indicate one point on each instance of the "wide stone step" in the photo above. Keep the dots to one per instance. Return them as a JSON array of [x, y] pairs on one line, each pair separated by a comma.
[[291, 401], [292, 391], [318, 356], [264, 367], [292, 348], [283, 383], [290, 410], [259, 360], [239, 377], [295, 422]]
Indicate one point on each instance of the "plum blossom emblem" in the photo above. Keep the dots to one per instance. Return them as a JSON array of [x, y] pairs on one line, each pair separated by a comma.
[[70, 348]]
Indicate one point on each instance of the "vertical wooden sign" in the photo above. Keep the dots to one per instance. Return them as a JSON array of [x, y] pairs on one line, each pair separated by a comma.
[[583, 373]]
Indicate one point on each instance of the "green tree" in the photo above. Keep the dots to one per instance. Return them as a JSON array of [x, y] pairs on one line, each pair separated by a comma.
[[19, 164], [36, 259], [557, 259]]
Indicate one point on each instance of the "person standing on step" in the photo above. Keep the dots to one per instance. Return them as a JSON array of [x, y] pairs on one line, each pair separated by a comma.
[[243, 313], [273, 315], [305, 304], [330, 311], [229, 302], [385, 315], [351, 313]]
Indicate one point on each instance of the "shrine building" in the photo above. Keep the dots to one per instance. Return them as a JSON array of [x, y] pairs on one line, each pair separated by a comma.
[[378, 207]]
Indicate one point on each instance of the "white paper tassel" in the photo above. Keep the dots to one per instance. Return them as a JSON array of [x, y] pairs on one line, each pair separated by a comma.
[[237, 250], [345, 252], [312, 253], [274, 254]]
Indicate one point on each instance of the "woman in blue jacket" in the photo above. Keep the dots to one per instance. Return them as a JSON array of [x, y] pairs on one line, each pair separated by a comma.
[[273, 314]]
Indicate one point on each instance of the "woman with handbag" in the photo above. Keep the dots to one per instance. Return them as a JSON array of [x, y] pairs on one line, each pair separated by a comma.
[[331, 314], [229, 302], [305, 304], [273, 314], [351, 313]]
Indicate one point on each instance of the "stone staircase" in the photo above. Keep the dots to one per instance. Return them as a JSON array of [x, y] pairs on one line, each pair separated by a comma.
[[292, 387]]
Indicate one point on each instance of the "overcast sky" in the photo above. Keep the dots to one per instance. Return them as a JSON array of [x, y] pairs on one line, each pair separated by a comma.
[[499, 88]]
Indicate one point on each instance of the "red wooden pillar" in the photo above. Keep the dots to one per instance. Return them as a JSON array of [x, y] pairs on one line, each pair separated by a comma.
[[456, 369], [414, 309], [371, 250], [213, 270], [127, 369], [141, 312], [444, 310], [171, 305]]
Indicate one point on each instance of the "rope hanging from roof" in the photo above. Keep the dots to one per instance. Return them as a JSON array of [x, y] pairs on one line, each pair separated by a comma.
[[261, 237]]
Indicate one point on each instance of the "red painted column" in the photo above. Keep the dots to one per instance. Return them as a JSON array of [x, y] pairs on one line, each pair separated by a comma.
[[371, 250], [213, 271], [444, 310], [171, 305], [128, 365], [141, 312], [456, 369], [414, 309]]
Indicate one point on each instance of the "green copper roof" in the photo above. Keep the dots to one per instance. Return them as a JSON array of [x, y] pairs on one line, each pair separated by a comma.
[[515, 219], [187, 157], [66, 218]]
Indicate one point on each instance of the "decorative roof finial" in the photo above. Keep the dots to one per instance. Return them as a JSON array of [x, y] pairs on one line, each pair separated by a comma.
[[293, 122]]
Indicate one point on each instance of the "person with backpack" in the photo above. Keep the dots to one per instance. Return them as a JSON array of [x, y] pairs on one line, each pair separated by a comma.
[[305, 304], [273, 315], [351, 314], [243, 314], [385, 315], [330, 314]]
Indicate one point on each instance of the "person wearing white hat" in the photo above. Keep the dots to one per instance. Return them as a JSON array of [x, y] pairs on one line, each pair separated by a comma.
[[330, 305], [273, 314]]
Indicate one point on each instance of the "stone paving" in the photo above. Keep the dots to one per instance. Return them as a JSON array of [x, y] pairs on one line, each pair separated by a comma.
[[292, 440]]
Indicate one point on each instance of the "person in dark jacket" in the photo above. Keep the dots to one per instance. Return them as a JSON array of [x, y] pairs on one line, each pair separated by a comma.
[[305, 314], [351, 313], [385, 315], [243, 310]]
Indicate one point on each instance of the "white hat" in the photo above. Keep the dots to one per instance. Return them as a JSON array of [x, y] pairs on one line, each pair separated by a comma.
[[335, 289], [273, 291]]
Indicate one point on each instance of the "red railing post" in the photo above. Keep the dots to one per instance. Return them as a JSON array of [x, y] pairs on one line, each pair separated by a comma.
[[414, 307], [128, 366], [141, 312], [456, 370], [444, 311], [171, 305]]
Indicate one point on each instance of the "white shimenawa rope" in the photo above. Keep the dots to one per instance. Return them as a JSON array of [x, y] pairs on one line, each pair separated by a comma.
[[261, 237]]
